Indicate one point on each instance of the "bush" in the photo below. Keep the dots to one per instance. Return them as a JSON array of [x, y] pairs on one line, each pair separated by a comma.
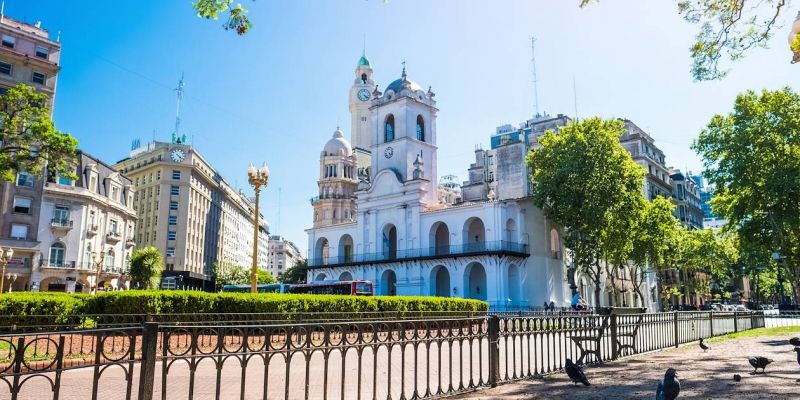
[[180, 302]]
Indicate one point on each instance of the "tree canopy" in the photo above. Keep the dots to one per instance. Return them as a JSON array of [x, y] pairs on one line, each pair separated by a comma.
[[295, 274], [145, 267], [28, 137], [587, 183], [752, 158], [729, 29]]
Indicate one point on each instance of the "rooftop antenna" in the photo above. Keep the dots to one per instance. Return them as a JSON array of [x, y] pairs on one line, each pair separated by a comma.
[[58, 37], [179, 91], [575, 96], [535, 82], [279, 209], [2, 10]]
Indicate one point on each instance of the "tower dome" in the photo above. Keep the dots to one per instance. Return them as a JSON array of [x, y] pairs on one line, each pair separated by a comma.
[[338, 145], [403, 83]]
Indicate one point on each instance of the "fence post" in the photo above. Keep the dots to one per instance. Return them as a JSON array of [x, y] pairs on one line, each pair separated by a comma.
[[711, 323], [148, 364], [614, 349], [675, 319], [735, 322], [494, 350]]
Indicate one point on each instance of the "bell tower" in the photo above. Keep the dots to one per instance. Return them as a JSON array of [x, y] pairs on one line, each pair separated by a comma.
[[361, 94]]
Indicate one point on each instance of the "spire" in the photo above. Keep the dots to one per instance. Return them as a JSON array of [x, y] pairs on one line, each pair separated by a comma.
[[179, 91], [403, 75]]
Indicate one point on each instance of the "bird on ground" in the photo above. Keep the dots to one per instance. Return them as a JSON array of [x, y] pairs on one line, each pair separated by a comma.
[[575, 373], [669, 387], [759, 362], [737, 377], [703, 345], [795, 341], [797, 349]]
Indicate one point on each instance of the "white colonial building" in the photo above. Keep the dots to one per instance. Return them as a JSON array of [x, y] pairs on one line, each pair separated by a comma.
[[380, 215]]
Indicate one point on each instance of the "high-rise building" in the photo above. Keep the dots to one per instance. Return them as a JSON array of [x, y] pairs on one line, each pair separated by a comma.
[[283, 255], [29, 56], [686, 196], [189, 212], [644, 151]]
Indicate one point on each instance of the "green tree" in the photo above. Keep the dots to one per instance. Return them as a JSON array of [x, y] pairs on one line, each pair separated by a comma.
[[295, 274], [28, 137], [229, 274], [145, 270], [653, 239], [237, 19], [752, 158], [729, 29], [264, 277], [583, 178]]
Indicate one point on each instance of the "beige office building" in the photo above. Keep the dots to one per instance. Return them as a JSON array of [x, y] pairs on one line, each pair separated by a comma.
[[189, 212]]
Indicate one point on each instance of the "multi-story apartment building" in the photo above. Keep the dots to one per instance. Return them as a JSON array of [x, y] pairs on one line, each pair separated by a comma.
[[188, 211], [283, 254], [81, 220], [644, 151], [686, 196], [27, 55]]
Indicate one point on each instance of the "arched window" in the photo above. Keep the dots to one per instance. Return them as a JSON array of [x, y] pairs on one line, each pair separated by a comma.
[[110, 259], [364, 78], [420, 128], [87, 257], [57, 255], [388, 132]]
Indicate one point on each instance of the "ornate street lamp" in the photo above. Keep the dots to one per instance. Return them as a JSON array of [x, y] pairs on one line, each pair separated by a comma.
[[257, 177], [98, 259], [794, 39], [5, 258]]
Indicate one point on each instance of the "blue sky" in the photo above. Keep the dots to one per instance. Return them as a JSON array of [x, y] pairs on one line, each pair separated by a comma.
[[277, 94]]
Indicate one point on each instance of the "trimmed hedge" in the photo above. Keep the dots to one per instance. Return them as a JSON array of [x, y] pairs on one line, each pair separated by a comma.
[[176, 301]]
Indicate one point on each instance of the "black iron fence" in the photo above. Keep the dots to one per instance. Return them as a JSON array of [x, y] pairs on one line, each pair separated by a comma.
[[399, 359]]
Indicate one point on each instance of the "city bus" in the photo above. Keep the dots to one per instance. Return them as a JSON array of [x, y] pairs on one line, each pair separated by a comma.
[[261, 288], [355, 288]]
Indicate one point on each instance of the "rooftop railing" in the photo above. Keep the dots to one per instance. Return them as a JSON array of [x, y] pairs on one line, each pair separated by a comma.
[[500, 246]]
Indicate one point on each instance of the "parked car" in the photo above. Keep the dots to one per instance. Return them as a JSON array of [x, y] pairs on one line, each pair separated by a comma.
[[740, 307]]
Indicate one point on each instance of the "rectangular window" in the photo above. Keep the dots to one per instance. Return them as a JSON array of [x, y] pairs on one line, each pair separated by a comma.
[[173, 205], [22, 205], [42, 52], [5, 68], [19, 232], [175, 190], [114, 193], [112, 226], [170, 251], [25, 179], [38, 77], [172, 235], [176, 175], [9, 41], [173, 220], [61, 215]]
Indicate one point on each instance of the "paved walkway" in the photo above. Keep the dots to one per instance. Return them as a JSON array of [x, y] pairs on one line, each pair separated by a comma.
[[703, 375]]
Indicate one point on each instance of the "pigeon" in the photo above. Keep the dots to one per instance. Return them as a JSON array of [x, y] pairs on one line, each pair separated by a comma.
[[737, 377], [759, 362], [795, 341], [797, 349], [703, 345], [669, 387], [575, 373]]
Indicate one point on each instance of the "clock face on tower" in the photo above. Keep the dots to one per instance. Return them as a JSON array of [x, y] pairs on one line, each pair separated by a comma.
[[177, 155], [388, 153], [363, 94]]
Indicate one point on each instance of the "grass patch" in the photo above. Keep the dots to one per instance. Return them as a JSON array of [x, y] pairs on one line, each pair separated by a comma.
[[779, 330]]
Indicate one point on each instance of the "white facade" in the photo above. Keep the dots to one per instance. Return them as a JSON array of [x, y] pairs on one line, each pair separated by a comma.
[[410, 240], [91, 215], [283, 255]]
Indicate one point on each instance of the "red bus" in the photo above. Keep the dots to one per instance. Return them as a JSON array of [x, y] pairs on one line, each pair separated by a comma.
[[355, 288]]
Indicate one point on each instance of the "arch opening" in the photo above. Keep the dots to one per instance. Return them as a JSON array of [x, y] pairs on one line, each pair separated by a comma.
[[475, 281], [345, 276], [346, 249], [389, 242], [420, 128], [389, 283], [440, 239], [388, 129], [440, 281], [474, 235]]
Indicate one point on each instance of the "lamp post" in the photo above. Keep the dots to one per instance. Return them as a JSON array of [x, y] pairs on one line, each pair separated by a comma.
[[778, 260], [11, 278], [794, 39], [5, 258], [98, 259], [257, 177]]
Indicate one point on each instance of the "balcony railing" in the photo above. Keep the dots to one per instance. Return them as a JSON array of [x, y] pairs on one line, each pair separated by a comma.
[[60, 264], [91, 229], [61, 223], [130, 242], [500, 246], [113, 237]]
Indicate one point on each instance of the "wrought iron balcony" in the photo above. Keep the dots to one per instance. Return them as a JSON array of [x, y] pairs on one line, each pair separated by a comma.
[[61, 224], [91, 229], [57, 264], [452, 251], [130, 242], [113, 237]]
